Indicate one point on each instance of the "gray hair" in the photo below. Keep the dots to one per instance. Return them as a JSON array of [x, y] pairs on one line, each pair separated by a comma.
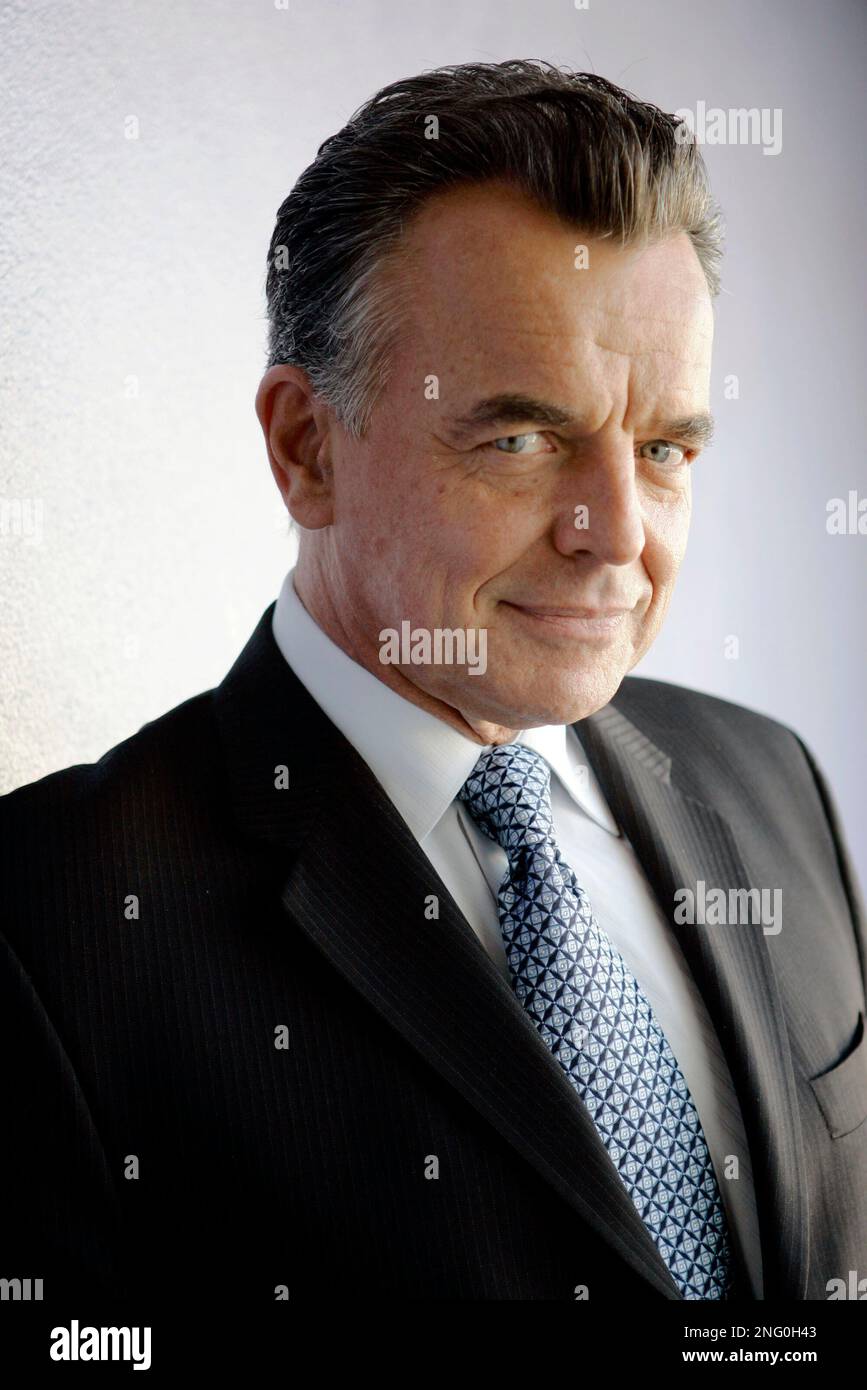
[[583, 148]]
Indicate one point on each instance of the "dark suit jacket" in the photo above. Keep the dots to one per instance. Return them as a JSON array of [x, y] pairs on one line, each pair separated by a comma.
[[262, 907]]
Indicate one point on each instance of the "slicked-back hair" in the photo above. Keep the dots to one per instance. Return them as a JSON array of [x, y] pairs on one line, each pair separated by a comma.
[[584, 149]]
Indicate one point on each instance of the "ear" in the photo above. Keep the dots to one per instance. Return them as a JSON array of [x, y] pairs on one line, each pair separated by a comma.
[[297, 429]]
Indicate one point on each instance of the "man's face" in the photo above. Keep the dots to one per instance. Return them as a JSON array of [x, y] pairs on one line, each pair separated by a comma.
[[452, 513]]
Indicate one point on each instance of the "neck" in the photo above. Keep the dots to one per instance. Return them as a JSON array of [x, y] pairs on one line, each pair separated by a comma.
[[320, 604]]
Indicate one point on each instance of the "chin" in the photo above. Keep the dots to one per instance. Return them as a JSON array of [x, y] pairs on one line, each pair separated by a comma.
[[585, 698], [523, 709]]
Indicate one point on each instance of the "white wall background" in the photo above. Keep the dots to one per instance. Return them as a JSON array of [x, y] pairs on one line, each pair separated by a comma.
[[141, 533]]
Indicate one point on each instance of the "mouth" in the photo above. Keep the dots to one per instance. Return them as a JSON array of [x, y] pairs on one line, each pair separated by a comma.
[[572, 622]]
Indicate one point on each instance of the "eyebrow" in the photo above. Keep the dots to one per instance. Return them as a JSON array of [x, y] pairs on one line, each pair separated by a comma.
[[509, 407]]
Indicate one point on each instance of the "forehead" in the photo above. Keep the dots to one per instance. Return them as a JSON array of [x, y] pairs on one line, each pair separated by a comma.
[[495, 286]]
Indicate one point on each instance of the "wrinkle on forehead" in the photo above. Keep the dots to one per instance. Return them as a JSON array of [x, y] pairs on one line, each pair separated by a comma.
[[496, 303]]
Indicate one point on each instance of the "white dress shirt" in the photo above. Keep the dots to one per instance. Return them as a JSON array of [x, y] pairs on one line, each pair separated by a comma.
[[422, 763]]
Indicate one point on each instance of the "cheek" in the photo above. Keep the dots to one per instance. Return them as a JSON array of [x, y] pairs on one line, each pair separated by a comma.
[[666, 530], [473, 530], [382, 508]]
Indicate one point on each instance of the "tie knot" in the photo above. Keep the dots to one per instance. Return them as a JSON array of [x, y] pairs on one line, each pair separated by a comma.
[[508, 794]]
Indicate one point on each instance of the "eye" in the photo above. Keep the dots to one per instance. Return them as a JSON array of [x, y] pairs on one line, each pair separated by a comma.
[[666, 453], [511, 443]]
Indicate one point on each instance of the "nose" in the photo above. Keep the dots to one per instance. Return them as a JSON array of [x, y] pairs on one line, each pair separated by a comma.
[[598, 508]]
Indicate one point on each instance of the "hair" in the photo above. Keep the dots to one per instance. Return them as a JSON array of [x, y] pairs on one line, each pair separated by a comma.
[[581, 147]]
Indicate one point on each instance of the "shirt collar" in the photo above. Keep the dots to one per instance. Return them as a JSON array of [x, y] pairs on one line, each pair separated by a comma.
[[420, 761]]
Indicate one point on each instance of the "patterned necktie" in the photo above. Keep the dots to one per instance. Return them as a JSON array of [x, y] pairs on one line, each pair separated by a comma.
[[591, 1012]]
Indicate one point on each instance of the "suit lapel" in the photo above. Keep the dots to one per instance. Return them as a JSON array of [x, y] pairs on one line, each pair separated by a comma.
[[679, 840]]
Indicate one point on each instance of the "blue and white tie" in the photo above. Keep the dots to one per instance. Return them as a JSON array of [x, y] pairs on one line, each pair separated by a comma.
[[591, 1012]]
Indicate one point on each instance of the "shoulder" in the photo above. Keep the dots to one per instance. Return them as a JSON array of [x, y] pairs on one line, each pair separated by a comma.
[[159, 773], [678, 715], [755, 770], [726, 752]]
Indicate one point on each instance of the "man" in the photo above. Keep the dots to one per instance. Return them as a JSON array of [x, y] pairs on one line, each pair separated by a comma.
[[430, 956]]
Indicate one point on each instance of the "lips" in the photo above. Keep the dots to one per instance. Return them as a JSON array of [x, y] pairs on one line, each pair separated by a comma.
[[572, 624], [548, 611]]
